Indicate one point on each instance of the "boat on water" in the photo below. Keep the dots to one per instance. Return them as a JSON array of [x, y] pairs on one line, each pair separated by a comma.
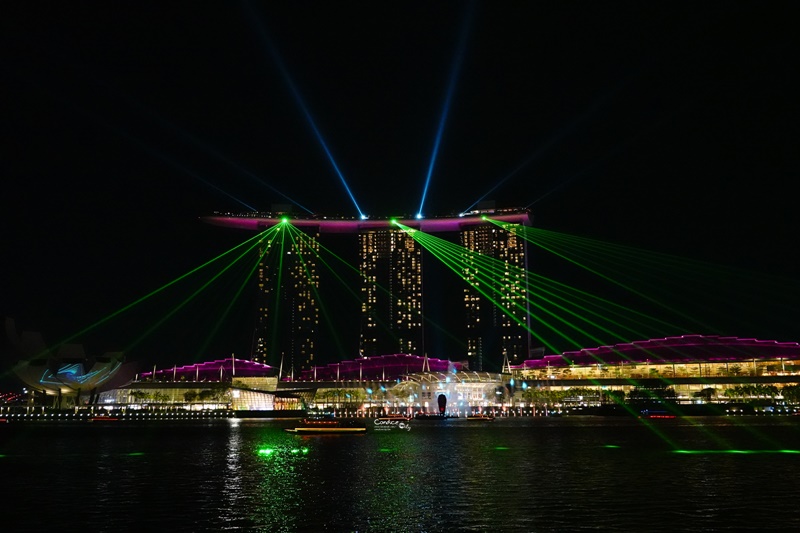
[[479, 417], [104, 418], [329, 425], [401, 418], [432, 416], [658, 414]]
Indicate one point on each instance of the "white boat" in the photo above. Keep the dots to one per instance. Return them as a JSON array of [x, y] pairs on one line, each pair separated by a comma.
[[479, 417], [402, 418], [329, 426]]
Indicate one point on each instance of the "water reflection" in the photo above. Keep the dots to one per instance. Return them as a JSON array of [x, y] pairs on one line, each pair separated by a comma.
[[521, 474]]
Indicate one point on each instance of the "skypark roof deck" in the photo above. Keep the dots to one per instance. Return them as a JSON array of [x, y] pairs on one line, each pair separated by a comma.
[[261, 221]]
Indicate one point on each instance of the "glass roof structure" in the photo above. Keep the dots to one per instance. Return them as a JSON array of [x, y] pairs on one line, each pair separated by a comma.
[[683, 349], [212, 371], [382, 367]]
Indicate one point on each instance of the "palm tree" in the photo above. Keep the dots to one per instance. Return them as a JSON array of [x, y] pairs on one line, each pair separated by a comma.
[[140, 396], [707, 394], [160, 397]]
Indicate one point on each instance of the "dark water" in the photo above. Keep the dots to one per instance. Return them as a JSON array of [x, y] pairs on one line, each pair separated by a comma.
[[532, 474]]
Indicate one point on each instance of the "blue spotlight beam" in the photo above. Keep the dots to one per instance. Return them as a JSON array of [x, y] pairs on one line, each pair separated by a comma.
[[184, 134], [299, 100], [615, 150], [222, 157], [446, 108], [182, 168], [149, 149], [601, 103]]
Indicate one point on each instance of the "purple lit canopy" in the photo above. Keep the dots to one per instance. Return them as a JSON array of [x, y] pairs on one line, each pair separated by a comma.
[[212, 371], [382, 367], [683, 349]]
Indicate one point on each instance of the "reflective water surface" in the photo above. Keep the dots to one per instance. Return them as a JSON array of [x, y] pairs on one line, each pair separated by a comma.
[[516, 474]]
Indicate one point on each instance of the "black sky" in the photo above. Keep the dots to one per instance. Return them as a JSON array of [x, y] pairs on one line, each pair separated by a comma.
[[670, 126]]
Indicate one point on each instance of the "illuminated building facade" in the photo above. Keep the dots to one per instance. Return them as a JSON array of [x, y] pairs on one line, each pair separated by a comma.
[[287, 320], [716, 369], [490, 331], [390, 262]]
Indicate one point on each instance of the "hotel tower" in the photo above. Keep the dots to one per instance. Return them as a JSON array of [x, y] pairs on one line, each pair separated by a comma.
[[391, 292]]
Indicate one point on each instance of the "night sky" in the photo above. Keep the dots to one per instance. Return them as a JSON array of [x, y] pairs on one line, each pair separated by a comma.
[[669, 126]]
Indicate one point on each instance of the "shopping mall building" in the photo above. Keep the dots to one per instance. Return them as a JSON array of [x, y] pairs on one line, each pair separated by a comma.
[[694, 367]]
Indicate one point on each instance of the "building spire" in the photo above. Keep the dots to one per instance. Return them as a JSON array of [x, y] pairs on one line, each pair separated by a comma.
[[506, 365]]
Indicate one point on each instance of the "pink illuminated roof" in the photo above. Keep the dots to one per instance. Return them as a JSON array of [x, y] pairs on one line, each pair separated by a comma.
[[255, 222], [211, 370], [683, 349], [381, 367]]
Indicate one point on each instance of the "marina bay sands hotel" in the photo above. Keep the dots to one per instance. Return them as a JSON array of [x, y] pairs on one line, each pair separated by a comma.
[[391, 293]]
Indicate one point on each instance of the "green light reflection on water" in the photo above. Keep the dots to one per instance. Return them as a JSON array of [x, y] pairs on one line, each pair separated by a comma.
[[273, 471], [271, 451], [740, 452]]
